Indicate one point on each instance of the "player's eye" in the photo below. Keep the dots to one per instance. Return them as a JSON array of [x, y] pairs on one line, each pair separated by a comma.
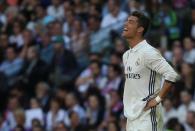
[[131, 21]]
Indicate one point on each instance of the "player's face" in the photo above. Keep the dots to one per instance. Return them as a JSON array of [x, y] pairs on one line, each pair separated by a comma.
[[130, 27]]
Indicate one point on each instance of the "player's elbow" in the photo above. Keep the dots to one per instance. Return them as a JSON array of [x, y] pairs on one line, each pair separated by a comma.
[[172, 76]]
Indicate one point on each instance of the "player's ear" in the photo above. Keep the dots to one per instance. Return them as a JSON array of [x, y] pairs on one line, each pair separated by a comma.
[[140, 29]]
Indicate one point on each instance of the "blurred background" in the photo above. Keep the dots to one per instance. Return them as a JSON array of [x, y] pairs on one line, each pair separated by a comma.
[[61, 62]]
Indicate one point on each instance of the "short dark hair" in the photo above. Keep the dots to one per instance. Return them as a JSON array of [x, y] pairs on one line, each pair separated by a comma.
[[13, 47], [143, 20], [117, 2], [95, 17], [99, 64]]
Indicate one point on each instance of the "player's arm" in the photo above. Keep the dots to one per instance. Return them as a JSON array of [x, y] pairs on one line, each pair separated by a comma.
[[154, 61], [162, 94], [165, 89]]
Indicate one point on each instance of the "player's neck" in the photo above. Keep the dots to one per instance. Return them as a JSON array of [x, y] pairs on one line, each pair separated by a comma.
[[134, 42]]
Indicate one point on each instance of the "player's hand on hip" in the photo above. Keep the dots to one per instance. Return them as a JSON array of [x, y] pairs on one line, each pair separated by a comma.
[[151, 103]]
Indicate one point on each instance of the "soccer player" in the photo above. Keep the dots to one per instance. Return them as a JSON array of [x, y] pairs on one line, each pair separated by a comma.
[[144, 69]]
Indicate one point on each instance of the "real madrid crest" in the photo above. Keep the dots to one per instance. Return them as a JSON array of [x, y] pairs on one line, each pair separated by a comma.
[[137, 63]]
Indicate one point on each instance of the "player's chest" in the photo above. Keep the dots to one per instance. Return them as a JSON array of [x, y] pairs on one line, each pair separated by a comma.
[[133, 63]]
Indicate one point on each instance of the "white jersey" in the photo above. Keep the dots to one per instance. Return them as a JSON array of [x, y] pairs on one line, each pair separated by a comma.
[[144, 68]]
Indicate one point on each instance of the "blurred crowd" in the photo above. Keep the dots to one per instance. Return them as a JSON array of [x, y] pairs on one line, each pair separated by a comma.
[[61, 62]]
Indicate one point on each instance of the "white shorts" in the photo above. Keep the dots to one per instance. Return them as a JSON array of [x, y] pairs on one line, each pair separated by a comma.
[[150, 120]]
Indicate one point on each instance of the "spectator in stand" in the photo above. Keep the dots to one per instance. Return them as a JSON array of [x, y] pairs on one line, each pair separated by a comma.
[[91, 76], [18, 90], [39, 11], [95, 56], [174, 124], [135, 5], [181, 7], [114, 104], [177, 58], [152, 7], [122, 122], [40, 18], [62, 91], [79, 42], [12, 65], [75, 122], [113, 126], [56, 9], [12, 105], [115, 14], [28, 38], [42, 94], [27, 8], [12, 13], [95, 111], [35, 112], [3, 46], [190, 123], [168, 110], [36, 125], [19, 116], [47, 51], [80, 8], [166, 19], [34, 69], [170, 21], [64, 64], [187, 103], [19, 128], [110, 117], [69, 21], [114, 80], [55, 114], [37, 128], [3, 20], [68, 5], [187, 81], [189, 50], [97, 36], [72, 104], [57, 32], [192, 24], [115, 59], [94, 8], [3, 126], [60, 127], [16, 37], [120, 46]]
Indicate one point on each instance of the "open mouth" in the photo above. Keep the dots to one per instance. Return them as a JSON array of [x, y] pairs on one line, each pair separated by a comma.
[[125, 29]]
